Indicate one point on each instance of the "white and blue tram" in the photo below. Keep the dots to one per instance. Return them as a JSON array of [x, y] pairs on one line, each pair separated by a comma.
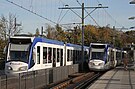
[[25, 53], [101, 57]]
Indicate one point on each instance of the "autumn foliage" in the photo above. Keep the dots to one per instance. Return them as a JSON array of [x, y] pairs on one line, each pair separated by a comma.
[[92, 33]]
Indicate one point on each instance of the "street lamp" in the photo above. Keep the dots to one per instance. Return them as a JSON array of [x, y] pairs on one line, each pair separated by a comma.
[[132, 2], [131, 18], [133, 49]]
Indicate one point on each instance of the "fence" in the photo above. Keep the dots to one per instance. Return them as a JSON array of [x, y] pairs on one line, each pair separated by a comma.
[[37, 79]]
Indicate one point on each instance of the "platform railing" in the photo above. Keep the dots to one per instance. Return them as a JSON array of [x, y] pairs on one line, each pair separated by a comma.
[[37, 79]]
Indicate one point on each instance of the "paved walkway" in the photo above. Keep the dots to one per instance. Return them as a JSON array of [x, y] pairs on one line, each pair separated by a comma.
[[116, 79]]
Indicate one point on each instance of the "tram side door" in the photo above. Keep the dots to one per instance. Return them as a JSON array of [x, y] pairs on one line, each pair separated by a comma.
[[38, 64], [112, 59]]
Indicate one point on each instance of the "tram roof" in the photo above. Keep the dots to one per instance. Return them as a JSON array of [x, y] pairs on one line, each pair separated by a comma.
[[101, 44], [75, 45], [39, 39], [50, 41], [72, 45]]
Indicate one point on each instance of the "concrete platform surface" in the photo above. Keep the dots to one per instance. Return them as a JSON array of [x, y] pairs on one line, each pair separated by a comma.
[[116, 79]]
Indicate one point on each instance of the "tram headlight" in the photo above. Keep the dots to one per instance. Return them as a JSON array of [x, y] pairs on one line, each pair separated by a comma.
[[100, 64], [23, 68], [91, 63], [9, 68]]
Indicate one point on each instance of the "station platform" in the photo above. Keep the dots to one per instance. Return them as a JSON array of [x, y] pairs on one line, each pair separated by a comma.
[[117, 78]]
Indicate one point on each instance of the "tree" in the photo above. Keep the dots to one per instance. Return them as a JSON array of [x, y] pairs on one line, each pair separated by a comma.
[[90, 34], [3, 27], [50, 32], [8, 26], [60, 34], [77, 35], [37, 33], [131, 36]]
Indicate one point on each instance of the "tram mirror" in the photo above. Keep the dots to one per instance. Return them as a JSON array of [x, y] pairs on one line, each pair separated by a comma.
[[34, 54], [5, 50], [34, 48], [108, 52]]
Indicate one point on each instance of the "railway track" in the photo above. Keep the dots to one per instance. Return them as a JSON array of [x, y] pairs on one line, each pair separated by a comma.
[[77, 81]]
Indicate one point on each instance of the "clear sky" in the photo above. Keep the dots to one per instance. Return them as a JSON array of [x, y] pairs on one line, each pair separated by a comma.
[[116, 14]]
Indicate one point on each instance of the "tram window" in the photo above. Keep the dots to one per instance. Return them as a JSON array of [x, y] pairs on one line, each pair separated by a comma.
[[61, 57], [54, 55], [61, 53], [34, 55], [68, 55], [71, 55], [58, 55], [85, 55], [78, 55], [38, 54], [44, 55], [74, 55], [49, 55], [118, 55], [79, 58], [112, 55]]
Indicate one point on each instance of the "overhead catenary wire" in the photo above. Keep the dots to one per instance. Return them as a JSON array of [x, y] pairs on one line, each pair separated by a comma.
[[60, 19], [91, 16], [113, 18], [35, 13], [88, 14], [31, 12], [78, 2], [76, 13], [110, 16], [62, 16], [59, 16], [94, 10], [31, 6]]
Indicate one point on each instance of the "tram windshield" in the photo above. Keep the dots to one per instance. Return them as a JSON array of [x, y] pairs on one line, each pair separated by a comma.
[[97, 55], [19, 52], [19, 56]]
